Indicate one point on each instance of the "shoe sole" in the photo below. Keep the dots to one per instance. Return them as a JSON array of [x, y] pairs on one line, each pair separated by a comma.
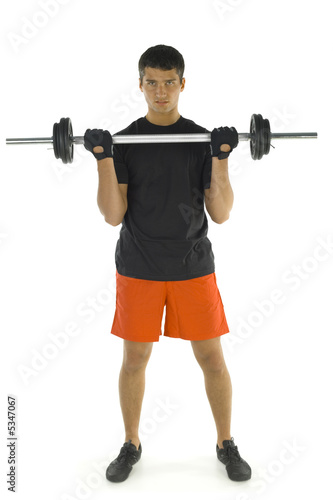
[[239, 479], [116, 479]]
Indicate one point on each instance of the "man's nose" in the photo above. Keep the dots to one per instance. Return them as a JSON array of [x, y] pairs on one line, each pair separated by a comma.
[[160, 90]]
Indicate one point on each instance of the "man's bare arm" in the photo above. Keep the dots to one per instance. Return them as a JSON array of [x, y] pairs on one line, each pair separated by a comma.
[[111, 196], [219, 197]]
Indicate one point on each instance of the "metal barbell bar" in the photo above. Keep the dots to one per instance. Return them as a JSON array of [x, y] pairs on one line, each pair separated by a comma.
[[260, 138], [162, 138]]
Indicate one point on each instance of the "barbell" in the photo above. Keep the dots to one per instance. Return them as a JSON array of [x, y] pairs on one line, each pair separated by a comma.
[[260, 138]]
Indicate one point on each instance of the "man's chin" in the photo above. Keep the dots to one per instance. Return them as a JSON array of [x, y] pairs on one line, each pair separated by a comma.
[[161, 109], [164, 110]]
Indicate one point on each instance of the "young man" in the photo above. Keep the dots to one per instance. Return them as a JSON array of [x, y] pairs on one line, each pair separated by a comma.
[[163, 256]]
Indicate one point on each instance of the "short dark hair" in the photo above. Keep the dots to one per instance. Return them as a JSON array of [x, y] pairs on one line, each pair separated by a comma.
[[162, 57]]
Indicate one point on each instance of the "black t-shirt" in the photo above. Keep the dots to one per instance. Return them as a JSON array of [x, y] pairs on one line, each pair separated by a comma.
[[164, 231]]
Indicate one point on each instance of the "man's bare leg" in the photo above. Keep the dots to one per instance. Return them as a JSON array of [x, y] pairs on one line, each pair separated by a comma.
[[132, 386]]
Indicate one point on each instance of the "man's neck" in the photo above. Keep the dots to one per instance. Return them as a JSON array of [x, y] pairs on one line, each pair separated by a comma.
[[163, 119]]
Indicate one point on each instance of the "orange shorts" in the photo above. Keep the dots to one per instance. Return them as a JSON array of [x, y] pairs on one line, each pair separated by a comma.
[[194, 309]]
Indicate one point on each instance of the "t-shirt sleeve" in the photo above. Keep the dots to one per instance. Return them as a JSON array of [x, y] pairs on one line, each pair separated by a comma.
[[207, 169], [119, 164]]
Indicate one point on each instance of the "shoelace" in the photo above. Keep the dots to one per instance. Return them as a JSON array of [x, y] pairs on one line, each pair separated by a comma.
[[233, 453], [126, 453]]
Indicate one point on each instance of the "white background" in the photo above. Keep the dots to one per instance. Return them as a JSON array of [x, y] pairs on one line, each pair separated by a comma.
[[79, 59]]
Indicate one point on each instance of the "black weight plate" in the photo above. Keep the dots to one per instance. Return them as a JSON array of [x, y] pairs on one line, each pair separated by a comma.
[[61, 144], [267, 129], [67, 147], [70, 141], [55, 140], [261, 135], [65, 136], [58, 140], [256, 137], [253, 137]]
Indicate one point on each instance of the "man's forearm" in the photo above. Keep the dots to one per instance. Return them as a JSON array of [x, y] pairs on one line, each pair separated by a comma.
[[220, 196], [110, 200]]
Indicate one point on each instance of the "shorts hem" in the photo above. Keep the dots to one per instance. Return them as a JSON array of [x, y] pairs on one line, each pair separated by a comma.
[[155, 339], [214, 335]]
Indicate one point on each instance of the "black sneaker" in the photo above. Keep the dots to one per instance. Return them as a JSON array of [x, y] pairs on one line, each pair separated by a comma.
[[237, 468], [120, 468]]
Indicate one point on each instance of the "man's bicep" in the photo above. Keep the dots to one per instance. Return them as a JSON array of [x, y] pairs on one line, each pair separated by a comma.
[[120, 164]]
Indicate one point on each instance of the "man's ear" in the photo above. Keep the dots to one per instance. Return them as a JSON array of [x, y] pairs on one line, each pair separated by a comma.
[[182, 85], [140, 85]]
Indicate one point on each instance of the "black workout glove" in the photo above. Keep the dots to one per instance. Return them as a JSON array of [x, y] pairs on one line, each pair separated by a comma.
[[223, 135], [99, 137]]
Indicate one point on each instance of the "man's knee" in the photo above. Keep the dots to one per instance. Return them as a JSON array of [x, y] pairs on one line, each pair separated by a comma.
[[136, 355], [209, 354], [213, 363]]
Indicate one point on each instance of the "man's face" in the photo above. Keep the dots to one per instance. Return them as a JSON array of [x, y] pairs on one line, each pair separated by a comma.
[[161, 89]]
